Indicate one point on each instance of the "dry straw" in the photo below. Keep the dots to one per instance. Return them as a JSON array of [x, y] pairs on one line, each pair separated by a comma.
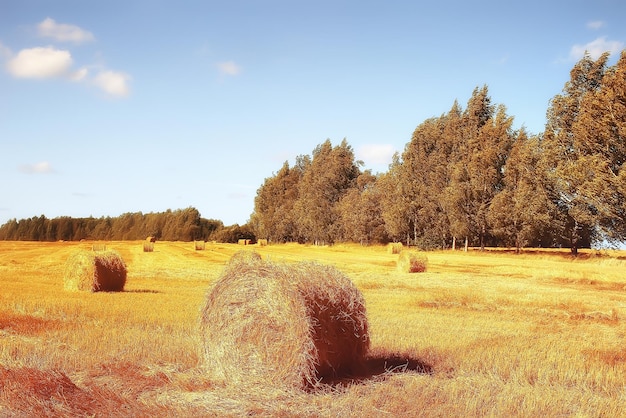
[[148, 246], [262, 242], [199, 245], [288, 326], [412, 262], [90, 271], [394, 247]]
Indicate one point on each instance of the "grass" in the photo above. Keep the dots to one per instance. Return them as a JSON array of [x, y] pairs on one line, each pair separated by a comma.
[[478, 334]]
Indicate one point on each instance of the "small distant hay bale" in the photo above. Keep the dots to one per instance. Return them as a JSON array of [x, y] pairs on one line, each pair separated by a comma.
[[243, 242], [95, 271], [394, 248], [288, 326], [151, 239], [199, 245], [262, 242], [412, 262], [148, 246], [98, 246]]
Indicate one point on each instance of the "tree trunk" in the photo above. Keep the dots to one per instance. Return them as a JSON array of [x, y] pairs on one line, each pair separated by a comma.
[[466, 243], [454, 243]]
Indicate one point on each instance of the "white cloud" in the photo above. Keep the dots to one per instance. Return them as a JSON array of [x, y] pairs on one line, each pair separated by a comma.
[[596, 48], [595, 25], [62, 32], [40, 62], [43, 167], [376, 153], [113, 83], [228, 68]]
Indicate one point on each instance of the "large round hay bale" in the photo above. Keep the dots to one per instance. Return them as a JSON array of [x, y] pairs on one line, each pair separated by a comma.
[[95, 271], [411, 262], [283, 325]]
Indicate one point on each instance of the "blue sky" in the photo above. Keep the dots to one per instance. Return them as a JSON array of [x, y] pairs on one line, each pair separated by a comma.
[[126, 106]]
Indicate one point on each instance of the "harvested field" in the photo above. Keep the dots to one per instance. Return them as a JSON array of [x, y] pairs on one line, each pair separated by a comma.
[[477, 334]]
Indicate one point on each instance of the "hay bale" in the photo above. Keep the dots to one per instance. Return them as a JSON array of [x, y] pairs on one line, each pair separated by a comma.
[[262, 242], [394, 248], [412, 262], [288, 326], [148, 246], [151, 239], [95, 271], [199, 245]]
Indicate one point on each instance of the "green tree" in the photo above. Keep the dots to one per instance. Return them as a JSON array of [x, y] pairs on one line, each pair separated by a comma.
[[360, 212], [520, 212], [332, 172], [477, 176], [570, 170], [273, 216]]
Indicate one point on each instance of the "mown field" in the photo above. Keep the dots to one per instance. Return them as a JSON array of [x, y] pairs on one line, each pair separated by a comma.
[[478, 334]]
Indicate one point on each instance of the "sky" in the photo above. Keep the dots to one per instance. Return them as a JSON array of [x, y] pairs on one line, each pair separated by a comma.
[[143, 106]]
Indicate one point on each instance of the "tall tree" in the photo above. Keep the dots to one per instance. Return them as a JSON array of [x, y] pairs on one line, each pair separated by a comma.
[[273, 216], [332, 172], [598, 169], [522, 210], [565, 153], [477, 176]]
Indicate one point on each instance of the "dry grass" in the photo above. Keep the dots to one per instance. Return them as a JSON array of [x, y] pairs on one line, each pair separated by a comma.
[[95, 271], [493, 334], [283, 325]]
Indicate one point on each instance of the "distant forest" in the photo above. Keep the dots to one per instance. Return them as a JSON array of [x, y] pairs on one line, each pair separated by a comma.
[[465, 178], [176, 225]]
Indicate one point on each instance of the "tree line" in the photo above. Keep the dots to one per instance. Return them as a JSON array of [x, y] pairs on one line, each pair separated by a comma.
[[467, 176], [171, 225]]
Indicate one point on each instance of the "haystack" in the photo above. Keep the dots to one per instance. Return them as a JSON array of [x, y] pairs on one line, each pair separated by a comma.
[[411, 262], [199, 245], [394, 247], [287, 326], [95, 271]]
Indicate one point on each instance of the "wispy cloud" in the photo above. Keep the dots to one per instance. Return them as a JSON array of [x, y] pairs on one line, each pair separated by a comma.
[[63, 32], [228, 68], [113, 83], [595, 24], [40, 62], [596, 48], [376, 153], [43, 167]]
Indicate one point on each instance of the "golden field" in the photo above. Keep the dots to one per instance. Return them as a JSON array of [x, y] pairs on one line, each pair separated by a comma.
[[478, 334]]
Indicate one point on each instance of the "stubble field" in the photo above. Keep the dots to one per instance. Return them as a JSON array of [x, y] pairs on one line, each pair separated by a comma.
[[478, 334]]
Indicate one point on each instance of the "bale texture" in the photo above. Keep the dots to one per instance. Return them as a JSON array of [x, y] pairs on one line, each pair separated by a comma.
[[95, 271], [283, 325], [412, 262]]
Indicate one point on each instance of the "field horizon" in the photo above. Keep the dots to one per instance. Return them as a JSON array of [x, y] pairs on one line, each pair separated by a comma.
[[478, 334]]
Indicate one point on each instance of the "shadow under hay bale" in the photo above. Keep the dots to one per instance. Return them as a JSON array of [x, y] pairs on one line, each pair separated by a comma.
[[95, 271], [291, 326], [412, 262]]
